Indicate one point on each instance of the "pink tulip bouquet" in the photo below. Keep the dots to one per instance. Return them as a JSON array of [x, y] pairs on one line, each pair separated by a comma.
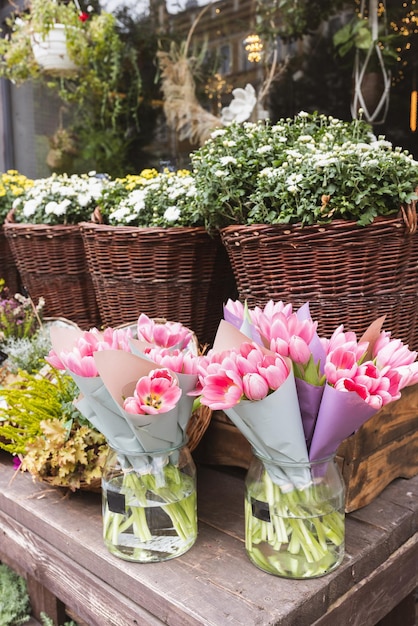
[[296, 396], [134, 390]]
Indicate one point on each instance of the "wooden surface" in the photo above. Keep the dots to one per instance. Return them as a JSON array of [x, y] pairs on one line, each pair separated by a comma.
[[57, 542]]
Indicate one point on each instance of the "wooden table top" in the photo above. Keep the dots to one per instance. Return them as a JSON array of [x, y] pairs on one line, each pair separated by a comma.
[[58, 541]]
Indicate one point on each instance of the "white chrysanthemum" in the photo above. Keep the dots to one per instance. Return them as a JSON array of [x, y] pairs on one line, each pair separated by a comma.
[[294, 179], [218, 133], [172, 214], [227, 160], [57, 208], [264, 149], [30, 208], [120, 214]]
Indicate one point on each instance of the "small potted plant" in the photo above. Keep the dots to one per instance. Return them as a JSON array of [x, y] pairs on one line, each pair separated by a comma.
[[48, 436], [373, 48], [27, 48]]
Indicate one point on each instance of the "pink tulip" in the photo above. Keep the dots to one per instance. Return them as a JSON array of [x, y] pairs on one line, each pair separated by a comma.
[[54, 360], [299, 351], [248, 359], [376, 387], [156, 393], [270, 311], [222, 390], [340, 363], [80, 365], [235, 307], [392, 352], [279, 346], [255, 386], [165, 335], [346, 340], [275, 370], [408, 374], [176, 360], [80, 359]]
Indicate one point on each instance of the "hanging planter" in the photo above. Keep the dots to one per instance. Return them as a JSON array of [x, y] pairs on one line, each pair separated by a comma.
[[50, 51], [375, 52], [371, 89], [50, 38]]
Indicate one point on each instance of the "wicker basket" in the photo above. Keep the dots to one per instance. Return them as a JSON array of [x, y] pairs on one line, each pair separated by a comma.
[[349, 274], [52, 264], [8, 268], [178, 273]]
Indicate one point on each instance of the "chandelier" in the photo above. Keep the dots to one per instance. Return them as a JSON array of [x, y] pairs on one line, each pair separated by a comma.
[[253, 47]]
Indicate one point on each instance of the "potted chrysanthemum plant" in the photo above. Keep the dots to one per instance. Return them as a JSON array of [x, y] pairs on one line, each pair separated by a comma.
[[45, 239], [315, 208], [152, 253]]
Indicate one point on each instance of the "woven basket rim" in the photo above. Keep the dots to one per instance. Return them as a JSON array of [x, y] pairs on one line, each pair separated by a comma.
[[39, 228], [95, 485], [396, 221], [160, 230]]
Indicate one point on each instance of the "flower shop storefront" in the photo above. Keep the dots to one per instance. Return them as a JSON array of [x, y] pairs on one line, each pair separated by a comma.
[[209, 409]]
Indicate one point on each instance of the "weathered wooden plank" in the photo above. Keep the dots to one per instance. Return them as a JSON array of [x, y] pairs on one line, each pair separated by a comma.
[[83, 592], [214, 583], [367, 476], [377, 594]]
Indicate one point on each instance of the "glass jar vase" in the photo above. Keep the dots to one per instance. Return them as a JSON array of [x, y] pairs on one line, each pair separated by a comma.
[[149, 504], [294, 517]]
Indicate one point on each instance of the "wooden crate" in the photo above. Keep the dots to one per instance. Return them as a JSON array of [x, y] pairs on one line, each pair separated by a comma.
[[384, 448]]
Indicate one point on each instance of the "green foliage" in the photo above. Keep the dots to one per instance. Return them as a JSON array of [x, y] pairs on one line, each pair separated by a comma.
[[14, 598], [27, 353], [291, 20], [357, 35], [308, 169], [39, 422]]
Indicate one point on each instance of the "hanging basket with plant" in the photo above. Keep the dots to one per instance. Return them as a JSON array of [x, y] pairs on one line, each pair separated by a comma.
[[101, 88]]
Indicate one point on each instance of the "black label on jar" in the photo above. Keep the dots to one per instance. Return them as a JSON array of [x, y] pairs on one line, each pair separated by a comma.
[[116, 502], [260, 510]]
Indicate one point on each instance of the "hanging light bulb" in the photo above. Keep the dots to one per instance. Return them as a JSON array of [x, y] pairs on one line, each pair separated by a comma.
[[253, 47]]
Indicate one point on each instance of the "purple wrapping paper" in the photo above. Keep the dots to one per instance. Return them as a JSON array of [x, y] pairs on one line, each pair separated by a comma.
[[340, 415], [309, 401]]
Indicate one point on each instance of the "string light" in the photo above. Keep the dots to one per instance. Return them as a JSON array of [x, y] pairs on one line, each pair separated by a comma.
[[254, 48]]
